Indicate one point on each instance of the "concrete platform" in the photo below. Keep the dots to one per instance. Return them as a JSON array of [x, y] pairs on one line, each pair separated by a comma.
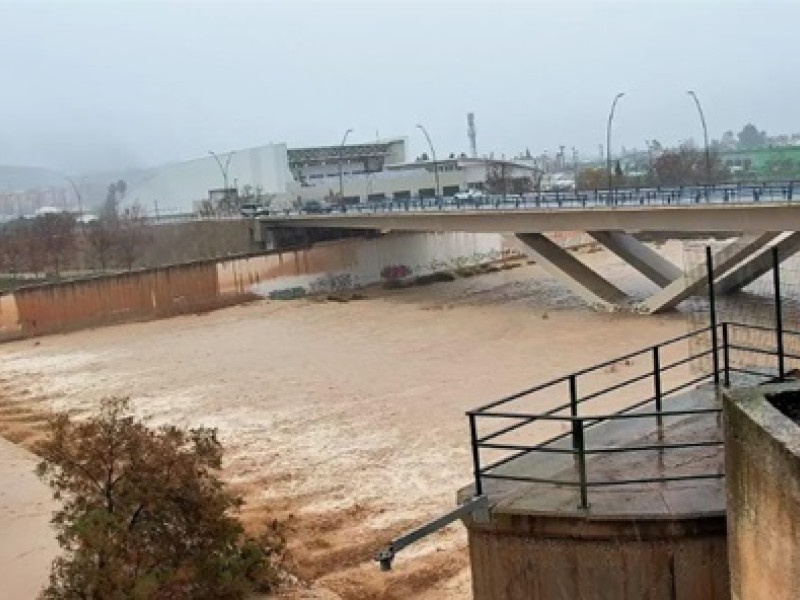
[[633, 500], [660, 540]]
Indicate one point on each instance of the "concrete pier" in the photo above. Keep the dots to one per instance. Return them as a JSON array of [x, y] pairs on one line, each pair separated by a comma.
[[659, 539]]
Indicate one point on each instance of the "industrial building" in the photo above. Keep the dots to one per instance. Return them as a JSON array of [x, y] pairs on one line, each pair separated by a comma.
[[286, 177]]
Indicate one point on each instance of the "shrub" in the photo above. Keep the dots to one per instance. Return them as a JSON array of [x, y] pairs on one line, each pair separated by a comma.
[[144, 516]]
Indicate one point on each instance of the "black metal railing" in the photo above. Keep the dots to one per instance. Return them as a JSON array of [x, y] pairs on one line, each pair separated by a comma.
[[751, 193], [522, 433], [653, 405]]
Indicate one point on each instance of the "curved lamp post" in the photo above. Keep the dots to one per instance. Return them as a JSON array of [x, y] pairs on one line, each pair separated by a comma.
[[341, 158], [77, 192], [223, 170], [435, 164], [705, 134], [608, 137]]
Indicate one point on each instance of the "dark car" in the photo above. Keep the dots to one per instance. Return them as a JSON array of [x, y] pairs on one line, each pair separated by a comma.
[[316, 207]]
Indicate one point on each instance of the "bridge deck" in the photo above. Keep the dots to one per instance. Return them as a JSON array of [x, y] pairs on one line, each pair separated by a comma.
[[754, 217]]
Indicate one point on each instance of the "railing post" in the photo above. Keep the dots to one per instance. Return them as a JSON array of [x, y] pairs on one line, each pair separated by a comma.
[[726, 357], [573, 409], [657, 382], [776, 277], [577, 428], [476, 457], [712, 308]]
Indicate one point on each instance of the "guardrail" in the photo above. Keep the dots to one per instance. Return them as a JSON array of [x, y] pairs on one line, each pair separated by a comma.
[[566, 403], [660, 196], [653, 406]]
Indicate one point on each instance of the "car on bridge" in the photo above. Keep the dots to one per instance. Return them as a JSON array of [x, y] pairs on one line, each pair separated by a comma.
[[317, 207], [253, 210], [469, 196]]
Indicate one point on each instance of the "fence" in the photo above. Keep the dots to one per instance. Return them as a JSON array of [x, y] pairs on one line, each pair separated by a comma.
[[568, 418]]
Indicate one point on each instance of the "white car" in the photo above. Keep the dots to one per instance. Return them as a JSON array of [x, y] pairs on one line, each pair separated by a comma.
[[468, 195]]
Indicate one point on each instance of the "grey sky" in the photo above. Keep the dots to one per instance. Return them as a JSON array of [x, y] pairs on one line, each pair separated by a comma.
[[96, 85]]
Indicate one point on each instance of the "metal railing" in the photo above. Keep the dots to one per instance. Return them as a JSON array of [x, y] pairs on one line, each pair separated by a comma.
[[663, 380], [781, 191], [653, 406]]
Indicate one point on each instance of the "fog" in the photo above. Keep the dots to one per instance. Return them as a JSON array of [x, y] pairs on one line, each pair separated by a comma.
[[89, 86]]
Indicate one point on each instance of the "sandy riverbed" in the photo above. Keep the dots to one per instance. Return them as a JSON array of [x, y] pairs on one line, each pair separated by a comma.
[[349, 416]]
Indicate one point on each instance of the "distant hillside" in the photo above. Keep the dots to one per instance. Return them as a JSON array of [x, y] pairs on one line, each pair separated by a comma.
[[21, 178]]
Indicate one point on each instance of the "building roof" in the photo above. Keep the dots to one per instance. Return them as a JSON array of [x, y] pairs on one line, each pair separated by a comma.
[[326, 154], [461, 162]]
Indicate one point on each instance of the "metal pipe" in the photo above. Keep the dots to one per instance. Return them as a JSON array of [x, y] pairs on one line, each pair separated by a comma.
[[726, 354], [712, 307], [776, 278], [657, 381], [476, 456], [433, 155], [608, 138], [705, 135], [577, 431], [578, 427], [341, 158]]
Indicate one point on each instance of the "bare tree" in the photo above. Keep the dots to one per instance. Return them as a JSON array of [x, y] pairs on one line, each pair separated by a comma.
[[13, 246], [101, 240], [54, 237], [132, 236]]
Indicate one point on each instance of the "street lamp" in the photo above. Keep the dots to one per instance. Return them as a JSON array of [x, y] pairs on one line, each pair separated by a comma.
[[341, 158], [608, 137], [224, 170], [77, 192], [433, 155], [705, 134]]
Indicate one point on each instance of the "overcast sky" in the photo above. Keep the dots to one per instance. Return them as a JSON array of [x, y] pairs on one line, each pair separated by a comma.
[[98, 85]]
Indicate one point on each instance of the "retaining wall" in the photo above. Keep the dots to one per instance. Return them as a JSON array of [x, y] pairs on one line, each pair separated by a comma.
[[762, 467]]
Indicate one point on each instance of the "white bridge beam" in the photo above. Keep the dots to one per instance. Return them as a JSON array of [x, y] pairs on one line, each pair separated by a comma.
[[695, 278], [760, 264], [642, 258], [566, 268]]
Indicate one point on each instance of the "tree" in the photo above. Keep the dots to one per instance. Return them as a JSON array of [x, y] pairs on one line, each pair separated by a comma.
[[101, 240], [592, 178], [751, 138], [131, 236], [497, 179], [13, 245], [54, 235], [687, 166], [144, 516]]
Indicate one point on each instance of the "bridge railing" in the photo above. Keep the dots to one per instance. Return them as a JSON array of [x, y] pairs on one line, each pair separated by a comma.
[[783, 191]]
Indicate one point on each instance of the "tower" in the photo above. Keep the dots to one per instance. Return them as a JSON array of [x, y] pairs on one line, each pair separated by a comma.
[[473, 146]]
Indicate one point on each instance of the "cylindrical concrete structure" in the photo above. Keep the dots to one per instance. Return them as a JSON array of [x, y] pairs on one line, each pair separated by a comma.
[[578, 557]]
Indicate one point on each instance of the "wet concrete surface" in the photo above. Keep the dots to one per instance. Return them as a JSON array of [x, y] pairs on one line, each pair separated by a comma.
[[657, 499]]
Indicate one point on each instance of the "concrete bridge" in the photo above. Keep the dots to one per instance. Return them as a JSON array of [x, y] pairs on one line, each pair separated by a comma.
[[760, 223]]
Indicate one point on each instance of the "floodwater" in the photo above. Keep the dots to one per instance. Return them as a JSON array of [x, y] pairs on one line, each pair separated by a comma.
[[347, 418]]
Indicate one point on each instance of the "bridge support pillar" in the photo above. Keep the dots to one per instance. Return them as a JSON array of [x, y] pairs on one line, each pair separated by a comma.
[[760, 264], [695, 278], [642, 258], [561, 264]]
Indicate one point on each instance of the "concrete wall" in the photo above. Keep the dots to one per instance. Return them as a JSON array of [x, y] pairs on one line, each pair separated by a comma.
[[358, 262], [112, 298], [762, 468], [528, 557], [203, 285], [172, 243]]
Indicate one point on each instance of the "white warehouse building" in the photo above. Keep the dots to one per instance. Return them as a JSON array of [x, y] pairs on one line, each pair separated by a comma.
[[285, 176]]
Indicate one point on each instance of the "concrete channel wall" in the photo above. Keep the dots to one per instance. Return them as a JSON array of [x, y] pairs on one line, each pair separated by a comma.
[[763, 494], [207, 284]]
